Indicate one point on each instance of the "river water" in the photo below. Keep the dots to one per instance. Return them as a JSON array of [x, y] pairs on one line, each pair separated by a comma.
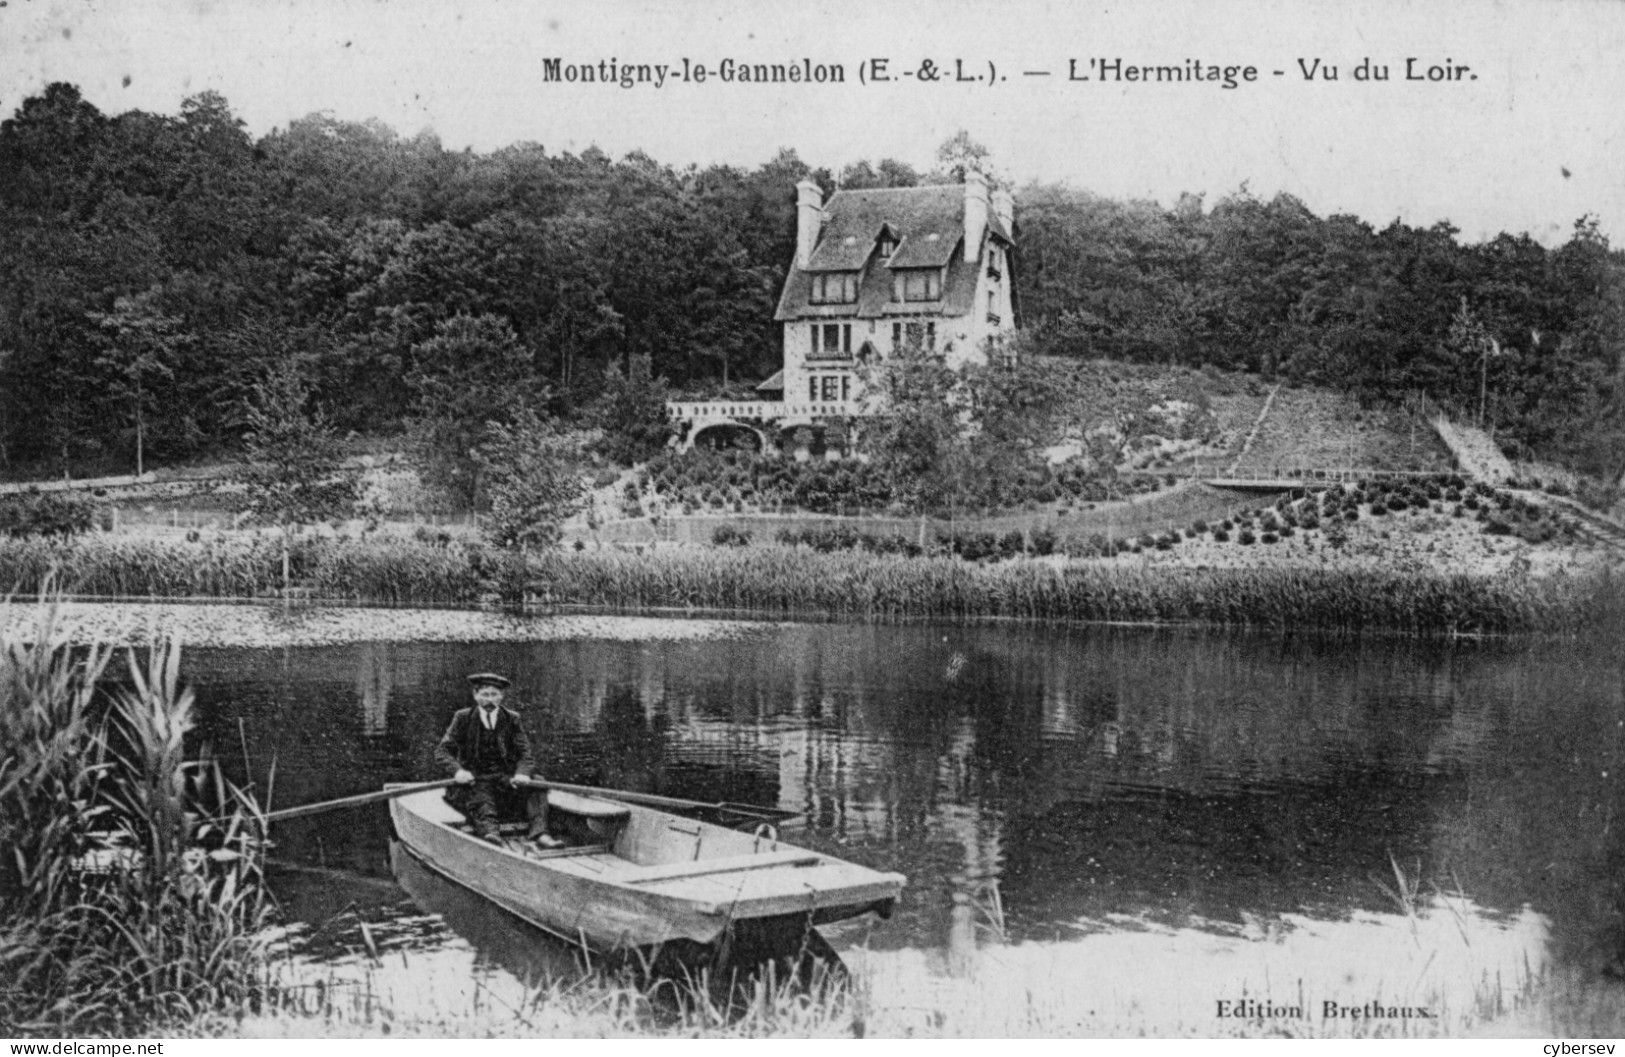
[[1104, 829]]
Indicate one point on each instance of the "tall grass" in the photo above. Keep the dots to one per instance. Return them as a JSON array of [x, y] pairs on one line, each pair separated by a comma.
[[853, 585], [131, 893], [383, 571], [404, 994], [871, 586]]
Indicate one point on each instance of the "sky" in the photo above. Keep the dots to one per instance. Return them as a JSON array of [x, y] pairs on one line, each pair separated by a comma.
[[1529, 137]]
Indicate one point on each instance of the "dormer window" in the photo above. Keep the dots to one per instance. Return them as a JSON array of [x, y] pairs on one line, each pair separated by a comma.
[[916, 284], [887, 245], [834, 288]]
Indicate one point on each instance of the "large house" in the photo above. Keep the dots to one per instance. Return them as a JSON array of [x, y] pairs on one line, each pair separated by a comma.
[[875, 270]]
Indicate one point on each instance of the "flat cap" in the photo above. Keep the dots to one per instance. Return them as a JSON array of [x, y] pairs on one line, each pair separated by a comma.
[[479, 679]]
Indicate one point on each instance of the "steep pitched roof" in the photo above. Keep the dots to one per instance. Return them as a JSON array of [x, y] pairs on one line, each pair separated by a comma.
[[930, 223]]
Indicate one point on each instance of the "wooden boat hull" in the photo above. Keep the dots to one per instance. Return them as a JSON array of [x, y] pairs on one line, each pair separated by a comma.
[[655, 879]]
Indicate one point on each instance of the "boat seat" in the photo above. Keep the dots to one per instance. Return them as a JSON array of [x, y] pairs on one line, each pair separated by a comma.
[[722, 864], [559, 800]]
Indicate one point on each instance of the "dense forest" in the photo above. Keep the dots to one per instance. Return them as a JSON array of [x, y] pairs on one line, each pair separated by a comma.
[[155, 268]]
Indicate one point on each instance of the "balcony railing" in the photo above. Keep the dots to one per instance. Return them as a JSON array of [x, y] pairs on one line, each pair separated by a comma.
[[767, 410]]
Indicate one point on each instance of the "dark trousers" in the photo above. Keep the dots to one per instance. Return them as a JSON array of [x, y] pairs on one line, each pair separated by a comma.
[[489, 800]]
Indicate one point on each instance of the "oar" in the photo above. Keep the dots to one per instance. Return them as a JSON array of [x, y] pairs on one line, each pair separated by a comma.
[[764, 813], [357, 800]]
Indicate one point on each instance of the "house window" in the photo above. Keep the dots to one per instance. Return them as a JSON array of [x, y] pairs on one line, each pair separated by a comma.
[[832, 341], [922, 334], [834, 288], [917, 284], [888, 245], [829, 388], [834, 388]]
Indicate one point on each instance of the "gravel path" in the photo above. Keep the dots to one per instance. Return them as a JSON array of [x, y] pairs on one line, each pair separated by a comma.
[[137, 624]]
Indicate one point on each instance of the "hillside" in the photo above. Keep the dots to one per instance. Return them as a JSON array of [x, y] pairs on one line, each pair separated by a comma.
[[1166, 432]]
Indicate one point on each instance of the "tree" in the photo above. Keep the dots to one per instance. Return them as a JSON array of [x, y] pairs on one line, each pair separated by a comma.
[[889, 172], [473, 372], [919, 441], [959, 154], [632, 413], [142, 343], [294, 472], [1471, 340], [532, 487]]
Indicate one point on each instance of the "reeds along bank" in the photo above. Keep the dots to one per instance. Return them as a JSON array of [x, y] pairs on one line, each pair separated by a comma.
[[854, 585], [130, 894]]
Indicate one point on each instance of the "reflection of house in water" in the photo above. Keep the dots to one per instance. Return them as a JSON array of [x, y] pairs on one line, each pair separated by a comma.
[[375, 685], [866, 776]]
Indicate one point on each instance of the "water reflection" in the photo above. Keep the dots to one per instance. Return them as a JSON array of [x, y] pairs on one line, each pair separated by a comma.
[[1130, 784], [1128, 975], [431, 951]]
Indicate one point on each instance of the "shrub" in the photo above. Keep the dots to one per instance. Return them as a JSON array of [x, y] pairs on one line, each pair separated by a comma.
[[1094, 545], [1596, 494], [730, 536], [36, 513], [1221, 536], [1246, 537], [1268, 537]]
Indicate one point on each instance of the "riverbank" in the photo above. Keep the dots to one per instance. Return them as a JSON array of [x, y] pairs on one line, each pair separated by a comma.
[[1469, 980], [456, 590], [274, 624]]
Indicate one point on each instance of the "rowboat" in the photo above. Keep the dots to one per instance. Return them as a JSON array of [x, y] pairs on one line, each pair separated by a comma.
[[634, 878]]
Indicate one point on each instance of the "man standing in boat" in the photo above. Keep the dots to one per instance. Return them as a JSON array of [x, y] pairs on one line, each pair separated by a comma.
[[487, 748]]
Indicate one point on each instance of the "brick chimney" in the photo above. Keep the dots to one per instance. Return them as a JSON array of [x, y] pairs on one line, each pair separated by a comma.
[[975, 213], [1004, 207], [809, 220]]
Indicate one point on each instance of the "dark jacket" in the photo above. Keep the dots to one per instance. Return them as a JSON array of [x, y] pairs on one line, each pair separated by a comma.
[[507, 745]]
